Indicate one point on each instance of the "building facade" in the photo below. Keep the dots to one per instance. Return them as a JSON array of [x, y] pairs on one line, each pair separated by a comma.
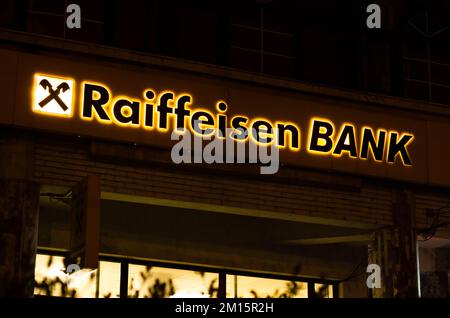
[[89, 179]]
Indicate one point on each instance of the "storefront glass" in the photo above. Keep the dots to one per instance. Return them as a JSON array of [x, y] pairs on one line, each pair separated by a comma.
[[145, 281], [256, 287], [52, 279]]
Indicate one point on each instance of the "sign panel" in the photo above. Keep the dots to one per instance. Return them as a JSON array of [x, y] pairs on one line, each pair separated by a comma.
[[169, 111], [143, 105]]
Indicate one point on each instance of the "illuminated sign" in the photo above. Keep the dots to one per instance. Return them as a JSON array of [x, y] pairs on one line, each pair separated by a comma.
[[53, 95], [166, 111]]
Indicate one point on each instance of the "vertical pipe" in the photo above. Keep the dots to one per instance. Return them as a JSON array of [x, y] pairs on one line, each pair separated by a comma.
[[419, 293]]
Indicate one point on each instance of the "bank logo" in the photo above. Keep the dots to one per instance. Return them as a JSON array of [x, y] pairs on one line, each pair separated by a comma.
[[53, 95]]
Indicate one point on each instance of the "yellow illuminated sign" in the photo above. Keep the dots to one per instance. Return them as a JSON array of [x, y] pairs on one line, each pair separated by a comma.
[[164, 111], [53, 95]]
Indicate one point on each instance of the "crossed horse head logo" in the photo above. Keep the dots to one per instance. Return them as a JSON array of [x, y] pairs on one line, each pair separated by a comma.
[[53, 95]]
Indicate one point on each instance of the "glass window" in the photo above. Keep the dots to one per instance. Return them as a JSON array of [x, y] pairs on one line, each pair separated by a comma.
[[49, 17], [160, 282], [262, 39], [51, 279], [256, 287], [196, 31], [323, 291], [109, 280], [144, 281], [49, 275]]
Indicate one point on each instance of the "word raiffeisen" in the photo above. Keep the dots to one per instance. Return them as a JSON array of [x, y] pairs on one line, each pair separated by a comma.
[[166, 111]]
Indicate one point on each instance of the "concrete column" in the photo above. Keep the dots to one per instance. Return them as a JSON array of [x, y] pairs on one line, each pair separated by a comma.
[[404, 242], [394, 249], [19, 206]]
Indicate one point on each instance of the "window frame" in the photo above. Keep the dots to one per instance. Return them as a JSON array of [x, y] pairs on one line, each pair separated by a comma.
[[222, 272]]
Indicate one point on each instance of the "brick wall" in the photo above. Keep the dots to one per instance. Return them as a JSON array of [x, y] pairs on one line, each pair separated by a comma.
[[65, 163]]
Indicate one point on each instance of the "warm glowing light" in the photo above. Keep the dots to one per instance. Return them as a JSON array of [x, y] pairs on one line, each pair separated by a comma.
[[50, 271], [179, 283], [187, 294], [249, 287], [167, 111], [53, 95]]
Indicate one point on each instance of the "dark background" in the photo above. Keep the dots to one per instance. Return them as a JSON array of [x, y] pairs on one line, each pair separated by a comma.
[[320, 41]]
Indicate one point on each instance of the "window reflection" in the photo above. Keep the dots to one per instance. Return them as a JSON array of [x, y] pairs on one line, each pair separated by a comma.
[[323, 291], [109, 279], [51, 279], [256, 287], [160, 282]]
